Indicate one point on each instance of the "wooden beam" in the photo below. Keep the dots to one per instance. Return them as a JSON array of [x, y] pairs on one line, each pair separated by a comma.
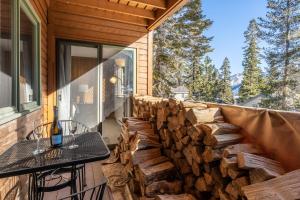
[[104, 5], [150, 62], [160, 4], [96, 13], [56, 16], [162, 15]]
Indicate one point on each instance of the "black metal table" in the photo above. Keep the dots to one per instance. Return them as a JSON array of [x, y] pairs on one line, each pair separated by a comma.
[[19, 159]]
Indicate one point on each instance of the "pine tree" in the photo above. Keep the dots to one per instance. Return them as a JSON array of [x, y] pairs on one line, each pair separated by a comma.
[[207, 82], [272, 96], [252, 76], [225, 91], [164, 57], [280, 29], [192, 24]]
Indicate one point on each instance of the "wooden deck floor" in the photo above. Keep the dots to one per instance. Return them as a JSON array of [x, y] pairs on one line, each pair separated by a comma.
[[93, 175]]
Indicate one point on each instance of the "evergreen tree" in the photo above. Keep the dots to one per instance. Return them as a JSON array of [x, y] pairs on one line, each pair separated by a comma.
[[280, 29], [191, 24], [225, 91], [252, 76], [164, 57], [272, 96], [207, 83]]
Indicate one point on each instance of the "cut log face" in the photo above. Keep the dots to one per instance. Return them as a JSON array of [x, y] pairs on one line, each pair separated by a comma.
[[209, 115], [210, 154], [201, 185], [219, 141], [233, 150], [219, 128], [251, 161], [195, 133], [175, 197], [282, 187], [163, 187]]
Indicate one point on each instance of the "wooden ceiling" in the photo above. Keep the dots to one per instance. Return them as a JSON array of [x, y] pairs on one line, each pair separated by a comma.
[[146, 13]]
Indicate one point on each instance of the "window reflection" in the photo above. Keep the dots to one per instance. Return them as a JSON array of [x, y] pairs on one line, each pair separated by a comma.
[[6, 70]]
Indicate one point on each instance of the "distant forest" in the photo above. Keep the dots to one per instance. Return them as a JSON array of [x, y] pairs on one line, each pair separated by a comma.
[[181, 58]]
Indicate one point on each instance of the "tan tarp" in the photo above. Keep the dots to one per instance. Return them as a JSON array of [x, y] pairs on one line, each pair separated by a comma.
[[277, 132]]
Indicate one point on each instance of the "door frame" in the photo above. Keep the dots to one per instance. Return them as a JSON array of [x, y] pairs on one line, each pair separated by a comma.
[[99, 47]]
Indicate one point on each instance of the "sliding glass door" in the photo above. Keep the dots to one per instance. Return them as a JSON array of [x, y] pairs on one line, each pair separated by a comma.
[[95, 83]]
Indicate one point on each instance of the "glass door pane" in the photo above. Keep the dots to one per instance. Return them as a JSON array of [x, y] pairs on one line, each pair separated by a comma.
[[78, 95], [118, 65]]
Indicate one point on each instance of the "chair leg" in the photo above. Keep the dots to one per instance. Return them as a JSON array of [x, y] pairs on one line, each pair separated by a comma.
[[84, 176]]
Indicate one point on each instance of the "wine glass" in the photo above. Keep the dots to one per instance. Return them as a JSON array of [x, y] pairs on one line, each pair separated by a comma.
[[72, 130], [38, 132]]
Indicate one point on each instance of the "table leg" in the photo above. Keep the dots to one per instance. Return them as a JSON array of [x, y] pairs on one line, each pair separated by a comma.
[[73, 184]]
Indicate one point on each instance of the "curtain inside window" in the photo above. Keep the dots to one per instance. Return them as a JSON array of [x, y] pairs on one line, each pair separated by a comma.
[[64, 75]]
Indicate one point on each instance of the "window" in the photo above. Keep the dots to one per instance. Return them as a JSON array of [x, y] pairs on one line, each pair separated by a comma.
[[19, 59], [6, 70]]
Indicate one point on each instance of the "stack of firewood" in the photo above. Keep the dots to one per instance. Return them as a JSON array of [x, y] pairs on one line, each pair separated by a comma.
[[151, 173], [210, 154]]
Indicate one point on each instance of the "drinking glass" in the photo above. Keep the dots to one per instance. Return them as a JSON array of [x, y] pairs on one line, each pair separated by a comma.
[[72, 130], [38, 132]]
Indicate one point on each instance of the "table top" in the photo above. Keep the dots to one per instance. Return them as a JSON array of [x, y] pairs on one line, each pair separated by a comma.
[[19, 159]]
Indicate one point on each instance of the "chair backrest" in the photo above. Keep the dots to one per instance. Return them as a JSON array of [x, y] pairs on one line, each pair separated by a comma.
[[93, 193], [81, 128]]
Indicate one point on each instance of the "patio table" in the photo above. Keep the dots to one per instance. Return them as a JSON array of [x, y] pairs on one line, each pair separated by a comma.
[[19, 159]]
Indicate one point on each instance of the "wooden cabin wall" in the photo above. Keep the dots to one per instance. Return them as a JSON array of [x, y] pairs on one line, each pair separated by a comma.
[[70, 23], [16, 130]]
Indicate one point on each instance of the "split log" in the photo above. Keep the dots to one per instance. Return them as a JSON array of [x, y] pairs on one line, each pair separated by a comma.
[[196, 154], [234, 173], [219, 141], [144, 155], [162, 187], [223, 195], [232, 191], [259, 175], [210, 154], [195, 133], [208, 115], [188, 155], [251, 161], [240, 182], [154, 161], [195, 168], [142, 142], [233, 150], [201, 185], [184, 167], [282, 187], [227, 163], [157, 172], [175, 197], [208, 178], [219, 128]]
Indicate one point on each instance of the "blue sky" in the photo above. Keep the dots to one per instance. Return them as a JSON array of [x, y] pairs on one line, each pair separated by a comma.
[[231, 18]]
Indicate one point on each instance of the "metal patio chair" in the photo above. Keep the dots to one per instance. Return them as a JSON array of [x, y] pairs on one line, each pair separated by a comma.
[[38, 182], [93, 193]]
